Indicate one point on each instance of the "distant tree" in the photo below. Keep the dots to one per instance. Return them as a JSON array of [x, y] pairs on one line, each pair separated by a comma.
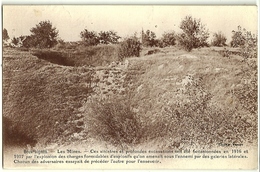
[[108, 37], [89, 37], [5, 35], [15, 41], [168, 39], [194, 33], [238, 39], [44, 35], [149, 38], [219, 39]]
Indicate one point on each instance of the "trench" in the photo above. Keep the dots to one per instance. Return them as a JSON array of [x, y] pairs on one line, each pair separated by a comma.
[[90, 56]]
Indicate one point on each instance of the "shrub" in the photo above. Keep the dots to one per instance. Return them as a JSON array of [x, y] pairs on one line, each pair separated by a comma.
[[194, 34], [27, 41], [129, 48], [168, 39], [238, 39], [246, 41], [219, 39], [108, 37], [113, 120], [89, 37], [149, 38], [15, 41]]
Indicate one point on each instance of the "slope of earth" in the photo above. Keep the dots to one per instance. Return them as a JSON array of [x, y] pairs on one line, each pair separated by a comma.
[[175, 99], [40, 99], [196, 99]]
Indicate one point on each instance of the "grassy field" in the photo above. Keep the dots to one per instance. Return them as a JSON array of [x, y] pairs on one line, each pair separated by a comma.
[[169, 99]]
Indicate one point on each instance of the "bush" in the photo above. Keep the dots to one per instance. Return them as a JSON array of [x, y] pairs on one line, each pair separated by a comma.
[[113, 120], [168, 39], [129, 48], [108, 37], [149, 39], [194, 34], [238, 39], [27, 41], [219, 39], [15, 41], [89, 37], [246, 41]]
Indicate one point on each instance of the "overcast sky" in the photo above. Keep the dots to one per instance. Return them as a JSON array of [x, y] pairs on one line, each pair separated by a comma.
[[125, 20]]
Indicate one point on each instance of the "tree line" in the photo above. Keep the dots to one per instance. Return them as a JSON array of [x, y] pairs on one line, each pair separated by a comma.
[[194, 34]]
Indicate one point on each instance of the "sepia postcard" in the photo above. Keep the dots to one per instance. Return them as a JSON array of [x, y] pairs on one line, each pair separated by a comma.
[[130, 87]]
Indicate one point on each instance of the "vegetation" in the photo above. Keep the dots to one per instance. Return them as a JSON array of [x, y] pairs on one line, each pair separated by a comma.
[[26, 41], [148, 38], [130, 47], [219, 39], [79, 91], [15, 41], [238, 39], [246, 41], [168, 39], [114, 121], [194, 34], [91, 38], [108, 37], [5, 35], [44, 35]]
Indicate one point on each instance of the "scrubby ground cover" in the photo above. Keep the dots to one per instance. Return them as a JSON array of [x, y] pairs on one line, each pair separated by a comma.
[[196, 99], [172, 99]]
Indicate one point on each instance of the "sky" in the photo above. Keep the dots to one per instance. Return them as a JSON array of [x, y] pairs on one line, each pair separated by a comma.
[[125, 19]]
